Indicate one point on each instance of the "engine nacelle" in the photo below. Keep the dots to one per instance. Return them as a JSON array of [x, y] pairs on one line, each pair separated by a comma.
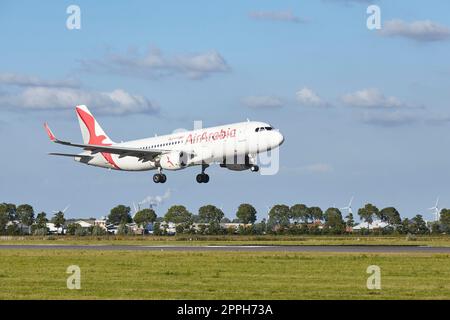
[[236, 167], [174, 160], [236, 164]]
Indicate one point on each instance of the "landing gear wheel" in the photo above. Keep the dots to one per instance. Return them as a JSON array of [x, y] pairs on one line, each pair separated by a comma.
[[254, 168], [202, 178], [159, 178]]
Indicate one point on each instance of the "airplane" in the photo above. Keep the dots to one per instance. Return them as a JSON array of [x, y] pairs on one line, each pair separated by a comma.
[[233, 146]]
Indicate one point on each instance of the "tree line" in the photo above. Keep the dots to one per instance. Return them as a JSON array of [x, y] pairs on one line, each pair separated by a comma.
[[282, 219]]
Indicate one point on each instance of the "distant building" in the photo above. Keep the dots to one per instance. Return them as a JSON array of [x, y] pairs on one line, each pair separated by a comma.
[[102, 223], [169, 227], [24, 229], [84, 224], [52, 229], [375, 225]]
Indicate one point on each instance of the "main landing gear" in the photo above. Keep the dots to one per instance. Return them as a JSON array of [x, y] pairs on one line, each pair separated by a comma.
[[203, 177], [159, 177]]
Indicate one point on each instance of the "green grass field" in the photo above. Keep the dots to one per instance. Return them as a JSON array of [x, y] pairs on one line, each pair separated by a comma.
[[41, 274], [443, 241]]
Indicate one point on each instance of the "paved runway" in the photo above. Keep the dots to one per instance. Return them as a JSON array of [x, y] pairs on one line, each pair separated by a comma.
[[334, 248]]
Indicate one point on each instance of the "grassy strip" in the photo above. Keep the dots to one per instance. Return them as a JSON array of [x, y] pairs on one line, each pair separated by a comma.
[[41, 274], [443, 241]]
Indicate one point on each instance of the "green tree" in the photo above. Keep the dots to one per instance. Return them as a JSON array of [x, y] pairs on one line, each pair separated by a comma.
[[300, 212], [144, 217], [260, 228], [225, 220], [25, 214], [210, 214], [8, 209], [333, 220], [367, 214], [58, 219], [246, 213], [391, 216], [316, 213], [80, 231], [418, 225], [349, 220], [40, 226], [405, 226], [98, 231], [120, 215], [6, 215], [71, 228], [122, 229], [41, 220], [178, 214], [445, 220], [279, 217]]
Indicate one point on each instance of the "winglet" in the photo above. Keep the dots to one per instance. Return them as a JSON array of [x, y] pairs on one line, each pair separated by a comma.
[[49, 132]]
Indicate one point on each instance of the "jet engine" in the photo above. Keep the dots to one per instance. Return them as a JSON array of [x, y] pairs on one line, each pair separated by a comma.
[[174, 160]]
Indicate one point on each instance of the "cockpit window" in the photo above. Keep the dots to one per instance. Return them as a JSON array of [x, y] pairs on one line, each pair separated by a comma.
[[263, 129]]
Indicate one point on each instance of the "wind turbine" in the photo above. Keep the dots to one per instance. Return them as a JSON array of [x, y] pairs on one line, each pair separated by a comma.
[[135, 209], [348, 207], [436, 210], [63, 210], [268, 211]]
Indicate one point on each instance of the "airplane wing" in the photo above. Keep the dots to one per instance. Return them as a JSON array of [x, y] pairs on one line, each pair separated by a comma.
[[70, 155], [142, 154]]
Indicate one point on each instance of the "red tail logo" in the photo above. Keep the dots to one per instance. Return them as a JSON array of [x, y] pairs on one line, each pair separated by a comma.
[[89, 122]]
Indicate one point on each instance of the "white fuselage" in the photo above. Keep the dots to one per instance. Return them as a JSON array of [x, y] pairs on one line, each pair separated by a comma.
[[222, 144]]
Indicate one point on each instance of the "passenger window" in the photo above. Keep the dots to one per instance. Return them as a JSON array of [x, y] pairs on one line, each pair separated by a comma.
[[257, 129]]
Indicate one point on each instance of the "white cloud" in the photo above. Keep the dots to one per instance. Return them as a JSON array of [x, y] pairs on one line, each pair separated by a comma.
[[287, 16], [262, 102], [390, 118], [371, 98], [154, 64], [424, 31], [116, 102], [307, 97], [33, 93], [26, 80]]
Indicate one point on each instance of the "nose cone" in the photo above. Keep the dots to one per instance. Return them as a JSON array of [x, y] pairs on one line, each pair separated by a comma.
[[277, 139], [280, 138]]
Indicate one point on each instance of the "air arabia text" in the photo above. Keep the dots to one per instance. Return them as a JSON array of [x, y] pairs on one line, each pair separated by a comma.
[[211, 136]]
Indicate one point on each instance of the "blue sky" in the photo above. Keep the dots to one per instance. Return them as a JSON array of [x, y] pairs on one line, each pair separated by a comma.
[[364, 113]]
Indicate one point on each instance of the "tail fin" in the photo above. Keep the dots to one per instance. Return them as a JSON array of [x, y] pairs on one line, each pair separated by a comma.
[[90, 129]]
